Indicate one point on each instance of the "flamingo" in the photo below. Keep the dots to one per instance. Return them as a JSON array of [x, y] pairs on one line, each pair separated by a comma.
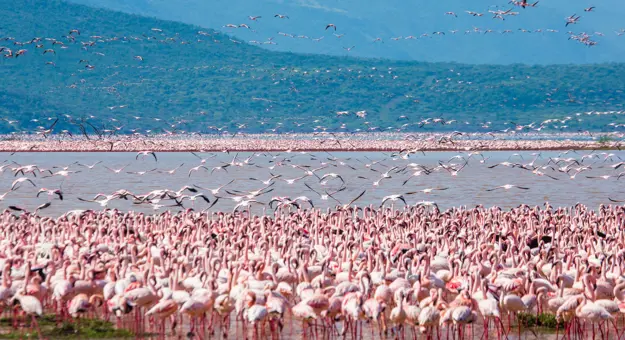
[[165, 308], [256, 314], [81, 303], [30, 305]]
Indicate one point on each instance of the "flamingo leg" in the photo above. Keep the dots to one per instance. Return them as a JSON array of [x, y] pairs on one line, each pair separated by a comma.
[[485, 334], [593, 330], [372, 329], [181, 322], [502, 327], [498, 330], [36, 325], [19, 325], [142, 323], [56, 312], [224, 326], [579, 329], [163, 328], [243, 325], [211, 320], [204, 318], [105, 311], [137, 320], [334, 329], [601, 331], [618, 336], [315, 329], [262, 330], [14, 312], [173, 324]]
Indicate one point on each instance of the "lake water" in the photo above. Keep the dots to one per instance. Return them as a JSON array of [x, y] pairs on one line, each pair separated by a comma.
[[467, 188]]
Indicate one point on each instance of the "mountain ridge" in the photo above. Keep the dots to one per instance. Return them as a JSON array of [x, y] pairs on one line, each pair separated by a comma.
[[195, 79]]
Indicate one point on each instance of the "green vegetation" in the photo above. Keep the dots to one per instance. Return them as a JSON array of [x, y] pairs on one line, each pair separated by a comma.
[[82, 328], [544, 320], [193, 81], [604, 140]]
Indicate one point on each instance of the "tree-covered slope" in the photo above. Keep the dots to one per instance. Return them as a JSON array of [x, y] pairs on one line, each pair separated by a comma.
[[126, 71]]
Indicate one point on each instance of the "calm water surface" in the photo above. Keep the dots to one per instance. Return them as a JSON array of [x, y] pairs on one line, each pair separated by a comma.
[[467, 188]]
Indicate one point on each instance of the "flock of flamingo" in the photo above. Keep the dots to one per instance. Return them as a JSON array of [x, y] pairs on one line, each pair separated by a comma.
[[497, 14], [412, 272], [402, 268], [395, 270], [288, 136]]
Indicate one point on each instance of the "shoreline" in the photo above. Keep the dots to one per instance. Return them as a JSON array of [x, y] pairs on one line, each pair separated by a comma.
[[379, 142], [297, 146]]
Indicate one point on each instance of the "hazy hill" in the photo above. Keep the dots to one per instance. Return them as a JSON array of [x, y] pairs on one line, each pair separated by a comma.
[[364, 20], [192, 78]]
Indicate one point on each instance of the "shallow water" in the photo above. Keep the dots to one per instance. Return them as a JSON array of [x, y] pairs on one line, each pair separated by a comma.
[[467, 188], [293, 329]]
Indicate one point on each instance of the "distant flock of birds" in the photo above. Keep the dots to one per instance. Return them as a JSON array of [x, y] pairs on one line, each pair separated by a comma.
[[584, 38], [325, 170], [90, 132]]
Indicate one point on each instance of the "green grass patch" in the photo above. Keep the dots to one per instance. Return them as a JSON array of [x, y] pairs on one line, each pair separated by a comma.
[[83, 328], [46, 320], [606, 142], [544, 320], [605, 139]]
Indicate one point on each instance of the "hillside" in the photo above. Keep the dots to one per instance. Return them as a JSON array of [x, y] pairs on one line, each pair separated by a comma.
[[361, 21], [195, 79]]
